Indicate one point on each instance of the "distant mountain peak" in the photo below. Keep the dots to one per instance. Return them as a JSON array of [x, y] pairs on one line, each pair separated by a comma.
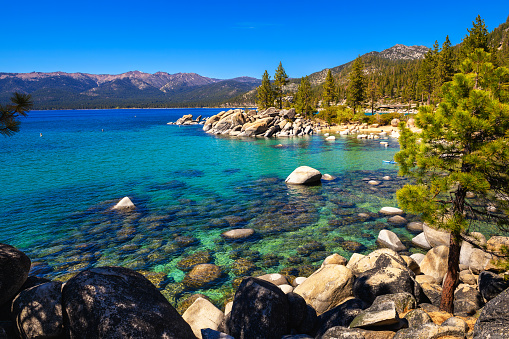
[[403, 52]]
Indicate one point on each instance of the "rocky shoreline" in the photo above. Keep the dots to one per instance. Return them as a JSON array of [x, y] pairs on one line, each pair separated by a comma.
[[387, 293]]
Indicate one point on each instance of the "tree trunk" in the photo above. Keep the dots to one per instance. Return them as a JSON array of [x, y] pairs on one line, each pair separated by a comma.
[[447, 300]]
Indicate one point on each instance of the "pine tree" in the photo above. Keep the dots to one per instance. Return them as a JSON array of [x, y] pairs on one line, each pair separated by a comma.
[[329, 90], [477, 37], [357, 84], [21, 105], [265, 93], [427, 73], [372, 92], [462, 148], [304, 98], [280, 80]]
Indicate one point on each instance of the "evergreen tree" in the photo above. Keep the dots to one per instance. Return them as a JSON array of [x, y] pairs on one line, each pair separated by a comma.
[[21, 105], [357, 84], [445, 65], [280, 80], [372, 92], [265, 93], [477, 37], [304, 97], [427, 73], [329, 90], [462, 148]]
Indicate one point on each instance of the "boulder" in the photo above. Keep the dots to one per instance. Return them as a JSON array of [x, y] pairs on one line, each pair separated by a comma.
[[395, 122], [411, 264], [436, 237], [468, 278], [421, 242], [414, 226], [256, 128], [418, 257], [497, 243], [433, 293], [341, 315], [467, 248], [491, 285], [238, 233], [286, 288], [467, 300], [14, 268], [187, 118], [493, 322], [302, 316], [354, 259], [425, 279], [384, 257], [275, 278], [403, 302], [339, 332], [397, 220], [260, 310], [456, 322], [391, 211], [435, 263], [389, 239], [428, 331], [202, 314], [113, 302], [478, 260], [125, 203], [417, 318], [328, 177], [37, 311], [202, 275], [334, 259], [386, 280], [298, 281], [304, 175], [326, 288], [382, 314]]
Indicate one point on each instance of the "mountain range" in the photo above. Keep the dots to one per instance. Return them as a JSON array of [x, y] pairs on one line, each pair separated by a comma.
[[59, 90]]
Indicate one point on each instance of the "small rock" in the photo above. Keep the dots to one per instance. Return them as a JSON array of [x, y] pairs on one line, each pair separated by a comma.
[[328, 177], [414, 226], [299, 280], [468, 278], [202, 314], [202, 275], [239, 233], [286, 288], [412, 264], [425, 279], [467, 300], [397, 220], [417, 318], [391, 211], [124, 203], [380, 314], [430, 331], [389, 239], [374, 182], [275, 278]]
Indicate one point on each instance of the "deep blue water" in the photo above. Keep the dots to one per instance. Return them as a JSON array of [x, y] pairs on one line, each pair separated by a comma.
[[58, 190]]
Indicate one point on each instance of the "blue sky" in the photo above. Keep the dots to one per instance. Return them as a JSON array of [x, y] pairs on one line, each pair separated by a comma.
[[223, 39]]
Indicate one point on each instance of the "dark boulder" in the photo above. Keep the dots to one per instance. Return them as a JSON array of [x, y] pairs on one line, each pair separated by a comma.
[[386, 280], [37, 311], [260, 310], [494, 319], [14, 268], [491, 285], [467, 300], [341, 315], [115, 302]]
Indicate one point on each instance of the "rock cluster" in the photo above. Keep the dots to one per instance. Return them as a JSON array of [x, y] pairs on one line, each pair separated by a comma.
[[384, 294], [268, 123]]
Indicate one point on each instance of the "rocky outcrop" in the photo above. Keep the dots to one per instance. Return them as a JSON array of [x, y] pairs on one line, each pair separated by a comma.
[[268, 123], [494, 319], [114, 302], [14, 268]]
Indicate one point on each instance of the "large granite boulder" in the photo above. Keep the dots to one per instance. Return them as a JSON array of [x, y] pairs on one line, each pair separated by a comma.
[[467, 300], [380, 258], [304, 175], [115, 302], [493, 321], [436, 237], [258, 127], [491, 285], [477, 239], [478, 260], [497, 243], [435, 263], [327, 287], [380, 315], [260, 310], [386, 280], [37, 311], [203, 314], [14, 268], [341, 315], [420, 241], [389, 239], [187, 118]]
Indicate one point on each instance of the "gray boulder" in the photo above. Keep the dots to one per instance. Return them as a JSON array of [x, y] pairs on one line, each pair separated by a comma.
[[341, 315], [430, 331], [381, 315], [467, 300], [14, 268], [304, 175], [115, 302], [491, 285], [260, 310], [493, 321], [417, 318], [37, 311]]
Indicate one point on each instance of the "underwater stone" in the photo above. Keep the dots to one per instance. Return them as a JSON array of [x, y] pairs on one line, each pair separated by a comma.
[[124, 203], [304, 175], [202, 275]]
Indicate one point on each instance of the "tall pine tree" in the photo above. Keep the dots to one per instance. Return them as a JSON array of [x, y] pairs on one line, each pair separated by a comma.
[[357, 84], [280, 80], [329, 90], [463, 147], [304, 97], [477, 37], [265, 93]]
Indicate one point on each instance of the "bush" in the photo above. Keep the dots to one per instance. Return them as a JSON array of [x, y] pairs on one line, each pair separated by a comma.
[[336, 114]]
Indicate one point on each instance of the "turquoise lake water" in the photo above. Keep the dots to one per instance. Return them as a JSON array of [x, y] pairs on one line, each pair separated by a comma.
[[189, 187]]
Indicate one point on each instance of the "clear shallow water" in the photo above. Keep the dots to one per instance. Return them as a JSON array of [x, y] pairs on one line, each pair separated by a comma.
[[58, 190]]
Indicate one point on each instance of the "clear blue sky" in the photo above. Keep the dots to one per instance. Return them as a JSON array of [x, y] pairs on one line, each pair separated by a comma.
[[223, 39]]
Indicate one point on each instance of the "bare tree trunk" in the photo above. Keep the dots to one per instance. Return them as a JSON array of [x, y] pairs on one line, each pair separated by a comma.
[[447, 300]]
